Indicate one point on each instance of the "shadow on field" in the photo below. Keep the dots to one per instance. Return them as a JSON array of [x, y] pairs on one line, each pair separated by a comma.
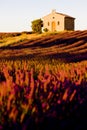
[[55, 47], [62, 57]]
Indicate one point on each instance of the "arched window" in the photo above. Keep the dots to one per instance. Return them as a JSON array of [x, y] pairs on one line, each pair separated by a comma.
[[48, 23], [58, 23]]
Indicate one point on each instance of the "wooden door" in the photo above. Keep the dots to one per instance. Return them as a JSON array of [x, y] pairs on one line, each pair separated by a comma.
[[53, 26]]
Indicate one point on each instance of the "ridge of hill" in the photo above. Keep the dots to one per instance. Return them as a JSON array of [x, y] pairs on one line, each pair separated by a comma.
[[68, 46]]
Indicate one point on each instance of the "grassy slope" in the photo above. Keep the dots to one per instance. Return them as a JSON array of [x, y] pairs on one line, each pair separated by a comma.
[[69, 46]]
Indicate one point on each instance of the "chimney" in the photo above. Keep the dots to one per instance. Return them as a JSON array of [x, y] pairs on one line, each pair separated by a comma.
[[53, 11]]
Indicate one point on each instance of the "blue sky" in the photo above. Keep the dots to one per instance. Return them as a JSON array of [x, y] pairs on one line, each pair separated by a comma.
[[16, 15]]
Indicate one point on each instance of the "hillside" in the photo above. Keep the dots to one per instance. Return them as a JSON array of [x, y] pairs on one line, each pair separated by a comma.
[[67, 46]]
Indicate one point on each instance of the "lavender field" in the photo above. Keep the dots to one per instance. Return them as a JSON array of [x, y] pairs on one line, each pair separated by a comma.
[[43, 96], [43, 81]]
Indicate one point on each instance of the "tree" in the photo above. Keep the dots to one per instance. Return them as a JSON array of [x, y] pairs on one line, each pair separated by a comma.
[[37, 26]]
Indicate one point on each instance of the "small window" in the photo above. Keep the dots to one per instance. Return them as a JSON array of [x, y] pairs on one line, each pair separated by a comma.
[[58, 23], [53, 17], [48, 23]]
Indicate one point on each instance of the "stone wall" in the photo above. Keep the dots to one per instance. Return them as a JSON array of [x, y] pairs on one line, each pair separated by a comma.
[[69, 23]]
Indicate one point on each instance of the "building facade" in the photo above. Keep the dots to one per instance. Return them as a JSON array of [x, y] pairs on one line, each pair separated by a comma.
[[58, 22]]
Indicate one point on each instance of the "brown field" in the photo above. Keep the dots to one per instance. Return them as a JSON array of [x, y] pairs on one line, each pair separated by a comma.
[[43, 93], [67, 46]]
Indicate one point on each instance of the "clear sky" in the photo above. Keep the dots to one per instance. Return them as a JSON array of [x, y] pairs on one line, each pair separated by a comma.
[[16, 15]]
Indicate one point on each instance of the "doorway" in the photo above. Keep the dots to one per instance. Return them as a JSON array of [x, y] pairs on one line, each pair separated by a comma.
[[53, 26]]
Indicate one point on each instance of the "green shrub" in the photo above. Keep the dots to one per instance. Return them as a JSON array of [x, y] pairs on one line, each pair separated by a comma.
[[45, 30]]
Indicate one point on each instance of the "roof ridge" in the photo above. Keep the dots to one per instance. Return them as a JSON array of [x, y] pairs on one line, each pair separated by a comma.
[[54, 11], [64, 15]]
